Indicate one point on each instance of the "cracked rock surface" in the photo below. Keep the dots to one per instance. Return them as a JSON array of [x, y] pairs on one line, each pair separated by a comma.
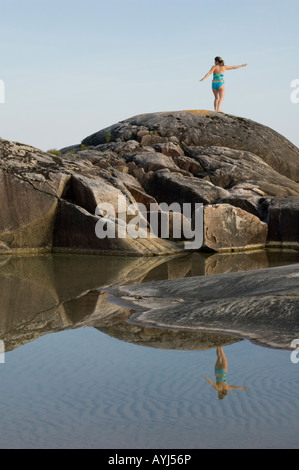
[[245, 173]]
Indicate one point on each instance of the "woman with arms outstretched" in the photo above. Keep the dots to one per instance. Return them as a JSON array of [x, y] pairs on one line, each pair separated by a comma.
[[221, 385], [218, 87]]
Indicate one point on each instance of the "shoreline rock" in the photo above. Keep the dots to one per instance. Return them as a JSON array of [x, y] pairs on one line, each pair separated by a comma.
[[261, 306], [232, 165]]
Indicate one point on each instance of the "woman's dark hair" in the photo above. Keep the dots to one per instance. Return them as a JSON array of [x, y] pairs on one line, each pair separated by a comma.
[[219, 60], [222, 394]]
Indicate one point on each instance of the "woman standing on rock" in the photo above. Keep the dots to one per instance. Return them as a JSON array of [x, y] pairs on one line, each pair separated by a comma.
[[218, 87]]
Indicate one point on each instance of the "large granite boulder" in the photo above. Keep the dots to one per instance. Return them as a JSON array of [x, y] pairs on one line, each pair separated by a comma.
[[27, 214], [49, 203], [229, 228], [31, 183], [212, 158], [228, 164], [206, 128]]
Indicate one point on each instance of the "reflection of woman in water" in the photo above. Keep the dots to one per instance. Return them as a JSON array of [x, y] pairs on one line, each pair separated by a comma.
[[221, 384]]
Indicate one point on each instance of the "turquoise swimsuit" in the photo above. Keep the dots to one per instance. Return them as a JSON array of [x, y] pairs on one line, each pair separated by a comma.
[[220, 375], [218, 80]]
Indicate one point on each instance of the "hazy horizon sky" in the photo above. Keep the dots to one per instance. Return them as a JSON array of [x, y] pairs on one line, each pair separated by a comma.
[[73, 67]]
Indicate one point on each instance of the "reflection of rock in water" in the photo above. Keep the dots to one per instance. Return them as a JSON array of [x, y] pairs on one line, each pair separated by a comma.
[[228, 262], [44, 294], [167, 339]]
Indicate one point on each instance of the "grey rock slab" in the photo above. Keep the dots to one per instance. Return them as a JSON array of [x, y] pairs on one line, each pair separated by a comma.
[[262, 305]]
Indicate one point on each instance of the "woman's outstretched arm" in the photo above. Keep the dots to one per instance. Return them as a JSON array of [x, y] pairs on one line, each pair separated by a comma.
[[233, 387], [207, 74], [228, 67], [211, 382]]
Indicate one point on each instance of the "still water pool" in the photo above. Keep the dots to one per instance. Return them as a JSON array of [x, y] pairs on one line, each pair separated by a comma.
[[76, 375]]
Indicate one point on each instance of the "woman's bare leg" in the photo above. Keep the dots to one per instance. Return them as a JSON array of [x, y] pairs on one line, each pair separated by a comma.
[[221, 93], [221, 359], [216, 99]]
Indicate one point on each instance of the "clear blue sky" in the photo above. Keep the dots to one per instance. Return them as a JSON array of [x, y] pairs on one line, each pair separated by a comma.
[[73, 67]]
